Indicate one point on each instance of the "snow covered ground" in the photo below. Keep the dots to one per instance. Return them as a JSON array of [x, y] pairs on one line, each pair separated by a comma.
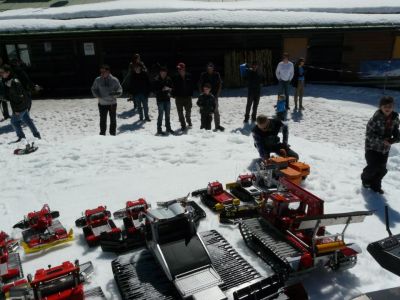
[[75, 169]]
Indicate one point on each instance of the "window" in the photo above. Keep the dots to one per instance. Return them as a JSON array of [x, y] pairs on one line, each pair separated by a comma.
[[18, 52], [396, 48]]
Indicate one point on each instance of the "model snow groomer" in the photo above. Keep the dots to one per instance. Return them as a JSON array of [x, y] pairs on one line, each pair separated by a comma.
[[42, 231], [97, 225]]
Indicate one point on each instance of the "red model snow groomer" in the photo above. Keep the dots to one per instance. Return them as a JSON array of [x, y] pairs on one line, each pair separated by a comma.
[[42, 230], [290, 233], [215, 197], [63, 282], [97, 225]]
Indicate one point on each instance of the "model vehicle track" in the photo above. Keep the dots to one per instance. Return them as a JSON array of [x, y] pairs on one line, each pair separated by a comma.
[[268, 244], [138, 275]]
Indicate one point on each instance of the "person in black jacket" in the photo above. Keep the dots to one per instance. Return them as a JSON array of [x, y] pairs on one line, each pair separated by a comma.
[[298, 83], [4, 105], [254, 81], [266, 139], [139, 87], [213, 78], [183, 92], [207, 105], [382, 132], [16, 94], [162, 87]]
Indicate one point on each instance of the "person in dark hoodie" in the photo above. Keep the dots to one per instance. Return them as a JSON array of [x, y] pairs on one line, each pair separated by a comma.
[[382, 132], [266, 139], [183, 92], [16, 94], [298, 83], [162, 87], [207, 104], [254, 81], [139, 87]]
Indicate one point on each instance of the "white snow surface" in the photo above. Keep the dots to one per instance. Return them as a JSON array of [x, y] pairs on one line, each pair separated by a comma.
[[180, 13], [76, 169]]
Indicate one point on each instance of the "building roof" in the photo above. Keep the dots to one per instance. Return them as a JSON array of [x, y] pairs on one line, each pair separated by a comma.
[[182, 14]]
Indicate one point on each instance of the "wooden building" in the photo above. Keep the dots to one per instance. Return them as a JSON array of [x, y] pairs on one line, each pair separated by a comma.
[[65, 62]]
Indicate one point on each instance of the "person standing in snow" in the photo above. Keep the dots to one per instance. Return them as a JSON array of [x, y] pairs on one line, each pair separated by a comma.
[[382, 132], [284, 73], [266, 139], [139, 87], [183, 92], [298, 83], [4, 105], [106, 88], [16, 94], [207, 104], [136, 61], [254, 81], [214, 80], [162, 87]]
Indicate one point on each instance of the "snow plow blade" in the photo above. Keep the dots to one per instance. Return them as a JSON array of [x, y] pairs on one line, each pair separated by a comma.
[[29, 250], [95, 293], [139, 276], [120, 246]]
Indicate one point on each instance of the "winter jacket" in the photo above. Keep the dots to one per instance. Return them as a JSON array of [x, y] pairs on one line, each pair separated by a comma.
[[254, 80], [297, 74], [23, 77], [206, 104], [284, 72], [267, 141], [2, 90], [183, 87], [379, 129], [16, 94], [214, 79], [138, 83], [158, 86], [106, 90]]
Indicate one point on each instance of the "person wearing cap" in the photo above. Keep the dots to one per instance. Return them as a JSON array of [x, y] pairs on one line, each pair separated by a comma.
[[254, 81], [106, 88], [162, 87], [382, 132], [182, 92], [213, 78], [284, 73]]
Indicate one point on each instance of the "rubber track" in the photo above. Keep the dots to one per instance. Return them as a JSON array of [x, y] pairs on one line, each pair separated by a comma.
[[268, 244], [138, 275]]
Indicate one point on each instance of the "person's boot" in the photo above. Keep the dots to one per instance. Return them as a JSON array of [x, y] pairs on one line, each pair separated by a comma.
[[37, 135], [147, 119], [220, 128], [301, 105], [246, 119], [253, 119], [295, 105], [159, 131], [169, 130]]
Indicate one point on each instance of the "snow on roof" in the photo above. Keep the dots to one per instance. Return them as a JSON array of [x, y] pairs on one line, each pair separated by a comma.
[[140, 14]]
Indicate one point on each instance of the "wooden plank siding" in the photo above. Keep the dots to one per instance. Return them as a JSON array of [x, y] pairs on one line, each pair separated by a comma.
[[361, 46]]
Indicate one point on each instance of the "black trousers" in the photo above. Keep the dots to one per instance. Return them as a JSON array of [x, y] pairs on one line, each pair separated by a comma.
[[4, 106], [375, 170], [104, 110], [253, 98], [206, 120]]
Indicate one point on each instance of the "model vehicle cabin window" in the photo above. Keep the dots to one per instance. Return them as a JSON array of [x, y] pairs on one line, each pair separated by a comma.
[[172, 231], [18, 52]]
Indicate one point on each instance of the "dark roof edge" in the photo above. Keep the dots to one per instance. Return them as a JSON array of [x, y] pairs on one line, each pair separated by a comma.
[[225, 28]]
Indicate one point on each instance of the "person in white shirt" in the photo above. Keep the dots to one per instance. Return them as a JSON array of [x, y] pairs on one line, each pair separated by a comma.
[[284, 72]]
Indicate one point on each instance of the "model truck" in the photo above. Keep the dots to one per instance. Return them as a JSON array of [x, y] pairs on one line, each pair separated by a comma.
[[63, 282], [97, 225], [290, 233], [215, 197], [42, 230]]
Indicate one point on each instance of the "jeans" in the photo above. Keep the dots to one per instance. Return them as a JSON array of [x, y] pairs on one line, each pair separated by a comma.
[[24, 117], [164, 107], [104, 110], [284, 89], [181, 103], [253, 98], [375, 170], [143, 105]]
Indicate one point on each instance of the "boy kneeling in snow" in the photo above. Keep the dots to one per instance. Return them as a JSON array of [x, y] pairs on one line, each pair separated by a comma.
[[266, 139], [382, 132]]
